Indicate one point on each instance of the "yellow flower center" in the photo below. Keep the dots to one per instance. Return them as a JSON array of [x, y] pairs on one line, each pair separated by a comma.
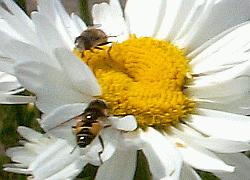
[[143, 77]]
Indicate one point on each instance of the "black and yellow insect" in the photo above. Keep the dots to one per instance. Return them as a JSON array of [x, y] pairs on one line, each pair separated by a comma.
[[90, 123]]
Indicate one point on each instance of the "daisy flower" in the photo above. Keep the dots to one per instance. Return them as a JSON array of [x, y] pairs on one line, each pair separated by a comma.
[[181, 68]]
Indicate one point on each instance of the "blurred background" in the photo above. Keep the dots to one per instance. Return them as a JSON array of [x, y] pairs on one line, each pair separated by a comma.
[[12, 116]]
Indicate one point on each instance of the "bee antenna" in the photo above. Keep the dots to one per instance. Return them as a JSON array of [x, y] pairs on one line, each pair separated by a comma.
[[112, 36], [117, 35]]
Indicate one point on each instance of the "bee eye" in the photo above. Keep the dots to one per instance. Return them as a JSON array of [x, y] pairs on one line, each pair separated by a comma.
[[77, 40], [89, 117]]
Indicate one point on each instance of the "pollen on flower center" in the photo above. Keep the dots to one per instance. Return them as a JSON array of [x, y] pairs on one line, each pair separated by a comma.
[[143, 77]]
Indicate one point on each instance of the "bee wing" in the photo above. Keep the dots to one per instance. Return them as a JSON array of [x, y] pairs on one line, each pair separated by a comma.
[[59, 122], [94, 26], [63, 116]]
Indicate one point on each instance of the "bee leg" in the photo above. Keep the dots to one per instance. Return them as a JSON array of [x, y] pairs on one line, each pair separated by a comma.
[[109, 49], [107, 126], [102, 144], [105, 43], [97, 47], [82, 54], [73, 149]]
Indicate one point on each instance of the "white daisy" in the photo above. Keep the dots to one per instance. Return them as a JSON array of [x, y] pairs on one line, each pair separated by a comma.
[[180, 67]]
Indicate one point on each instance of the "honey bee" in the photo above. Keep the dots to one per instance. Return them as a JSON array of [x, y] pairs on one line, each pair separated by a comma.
[[91, 38], [90, 123]]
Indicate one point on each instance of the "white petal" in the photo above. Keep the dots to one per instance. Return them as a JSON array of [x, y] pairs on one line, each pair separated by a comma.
[[120, 166], [15, 91], [49, 154], [214, 144], [241, 163], [48, 34], [5, 38], [29, 134], [7, 65], [203, 159], [221, 18], [230, 72], [20, 26], [196, 17], [21, 155], [237, 104], [227, 45], [23, 52], [205, 89], [169, 22], [66, 21], [187, 173], [16, 99], [61, 115], [164, 160], [204, 46], [18, 170], [186, 12], [50, 85], [111, 19], [19, 13], [15, 165], [45, 156], [51, 159], [8, 30], [54, 12], [127, 123], [79, 24], [4, 77], [70, 171], [8, 86], [221, 124], [78, 72], [145, 23], [47, 8], [111, 138], [12, 151], [38, 147]]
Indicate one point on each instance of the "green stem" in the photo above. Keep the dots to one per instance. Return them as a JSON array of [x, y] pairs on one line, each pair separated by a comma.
[[84, 12], [22, 4]]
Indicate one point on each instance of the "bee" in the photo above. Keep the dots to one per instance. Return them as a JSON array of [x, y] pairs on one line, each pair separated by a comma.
[[91, 38], [90, 123]]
